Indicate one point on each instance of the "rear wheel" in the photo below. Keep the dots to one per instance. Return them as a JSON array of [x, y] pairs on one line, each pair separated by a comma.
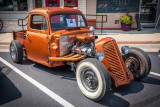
[[93, 79], [138, 62], [16, 51]]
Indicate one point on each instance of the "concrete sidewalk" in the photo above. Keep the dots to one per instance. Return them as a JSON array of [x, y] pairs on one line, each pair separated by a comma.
[[148, 39], [5, 39]]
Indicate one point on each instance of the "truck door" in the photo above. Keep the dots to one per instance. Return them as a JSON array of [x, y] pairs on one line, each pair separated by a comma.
[[36, 39]]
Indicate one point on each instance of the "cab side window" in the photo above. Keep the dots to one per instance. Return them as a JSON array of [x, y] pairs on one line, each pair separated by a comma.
[[38, 22]]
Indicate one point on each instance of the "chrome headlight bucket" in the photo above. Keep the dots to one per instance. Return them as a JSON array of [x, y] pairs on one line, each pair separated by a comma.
[[125, 50], [100, 56], [92, 28]]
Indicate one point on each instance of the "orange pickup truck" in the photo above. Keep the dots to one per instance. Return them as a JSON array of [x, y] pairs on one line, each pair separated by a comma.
[[57, 36]]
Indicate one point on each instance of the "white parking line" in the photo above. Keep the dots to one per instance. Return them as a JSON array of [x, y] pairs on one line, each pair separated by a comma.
[[156, 74], [47, 91]]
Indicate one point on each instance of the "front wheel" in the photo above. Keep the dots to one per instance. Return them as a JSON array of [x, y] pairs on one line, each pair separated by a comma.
[[93, 79], [138, 62]]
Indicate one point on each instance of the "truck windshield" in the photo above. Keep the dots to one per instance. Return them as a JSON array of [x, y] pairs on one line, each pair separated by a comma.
[[64, 21]]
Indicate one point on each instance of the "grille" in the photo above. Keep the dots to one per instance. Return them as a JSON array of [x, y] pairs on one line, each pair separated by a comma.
[[115, 59]]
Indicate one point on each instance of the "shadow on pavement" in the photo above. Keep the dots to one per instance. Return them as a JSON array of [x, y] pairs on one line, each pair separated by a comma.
[[114, 101], [143, 31], [63, 71], [147, 101], [110, 100], [133, 87], [151, 80], [8, 91]]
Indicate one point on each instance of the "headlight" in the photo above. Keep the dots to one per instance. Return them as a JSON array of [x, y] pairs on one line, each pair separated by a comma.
[[89, 51], [125, 49], [92, 28], [100, 56]]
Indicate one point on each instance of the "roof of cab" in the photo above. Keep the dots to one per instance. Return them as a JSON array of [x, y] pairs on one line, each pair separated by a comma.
[[56, 10]]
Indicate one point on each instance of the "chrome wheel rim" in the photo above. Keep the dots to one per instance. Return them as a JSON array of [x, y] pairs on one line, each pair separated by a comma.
[[12, 52], [133, 64], [89, 80]]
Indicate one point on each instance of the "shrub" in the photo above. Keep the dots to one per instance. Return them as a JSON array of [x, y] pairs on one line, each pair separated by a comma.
[[126, 19]]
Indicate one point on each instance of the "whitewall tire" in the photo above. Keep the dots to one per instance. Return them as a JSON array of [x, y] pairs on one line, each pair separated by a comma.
[[93, 78]]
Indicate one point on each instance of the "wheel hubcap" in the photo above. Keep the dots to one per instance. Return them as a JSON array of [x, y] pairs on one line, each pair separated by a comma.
[[89, 80], [13, 53], [133, 64]]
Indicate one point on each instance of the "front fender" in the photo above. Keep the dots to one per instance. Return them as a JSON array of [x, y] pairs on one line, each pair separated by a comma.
[[113, 61]]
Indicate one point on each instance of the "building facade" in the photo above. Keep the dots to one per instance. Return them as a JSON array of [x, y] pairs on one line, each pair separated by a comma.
[[113, 10]]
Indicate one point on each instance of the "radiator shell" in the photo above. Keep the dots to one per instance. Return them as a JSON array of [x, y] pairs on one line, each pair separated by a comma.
[[114, 62]]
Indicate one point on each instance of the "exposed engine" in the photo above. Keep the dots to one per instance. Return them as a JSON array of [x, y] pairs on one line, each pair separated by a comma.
[[80, 44], [84, 48]]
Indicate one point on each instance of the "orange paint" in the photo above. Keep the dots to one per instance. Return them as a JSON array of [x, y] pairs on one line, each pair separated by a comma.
[[44, 46]]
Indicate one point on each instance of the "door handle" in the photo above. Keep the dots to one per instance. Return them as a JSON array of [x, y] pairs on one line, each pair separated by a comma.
[[27, 36]]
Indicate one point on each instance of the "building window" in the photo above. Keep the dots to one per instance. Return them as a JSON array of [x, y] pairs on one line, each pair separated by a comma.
[[113, 6], [13, 5], [71, 3], [52, 3], [38, 3]]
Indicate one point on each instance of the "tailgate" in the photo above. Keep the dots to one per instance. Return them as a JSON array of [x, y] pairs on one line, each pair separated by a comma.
[[19, 35]]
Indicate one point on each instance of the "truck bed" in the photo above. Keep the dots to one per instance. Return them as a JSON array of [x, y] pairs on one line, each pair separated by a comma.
[[19, 35]]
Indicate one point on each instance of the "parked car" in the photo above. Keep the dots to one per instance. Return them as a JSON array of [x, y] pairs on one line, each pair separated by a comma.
[[57, 36]]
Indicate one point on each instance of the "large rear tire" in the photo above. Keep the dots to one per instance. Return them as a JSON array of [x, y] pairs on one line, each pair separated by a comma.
[[93, 79], [138, 62], [16, 51]]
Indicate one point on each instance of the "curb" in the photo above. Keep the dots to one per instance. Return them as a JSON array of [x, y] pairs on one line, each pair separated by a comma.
[[4, 46], [150, 46], [145, 47], [4, 43], [118, 42], [139, 42]]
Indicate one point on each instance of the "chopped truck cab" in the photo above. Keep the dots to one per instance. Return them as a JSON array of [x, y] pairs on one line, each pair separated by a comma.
[[57, 36]]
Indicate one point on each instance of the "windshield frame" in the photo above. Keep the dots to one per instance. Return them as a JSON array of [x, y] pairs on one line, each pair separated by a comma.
[[69, 27]]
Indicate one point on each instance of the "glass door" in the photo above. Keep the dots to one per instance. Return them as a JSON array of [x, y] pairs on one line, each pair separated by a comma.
[[148, 11]]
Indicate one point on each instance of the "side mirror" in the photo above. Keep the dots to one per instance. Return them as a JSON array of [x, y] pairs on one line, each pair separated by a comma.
[[92, 28]]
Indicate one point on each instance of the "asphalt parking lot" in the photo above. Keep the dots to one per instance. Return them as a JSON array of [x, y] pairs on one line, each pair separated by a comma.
[[15, 90]]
